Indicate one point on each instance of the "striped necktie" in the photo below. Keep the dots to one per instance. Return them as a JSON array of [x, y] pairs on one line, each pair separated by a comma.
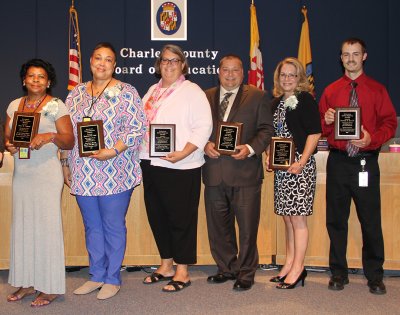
[[351, 149], [224, 105]]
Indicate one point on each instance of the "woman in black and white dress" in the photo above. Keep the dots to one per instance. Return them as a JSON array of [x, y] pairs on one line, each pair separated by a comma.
[[295, 116]]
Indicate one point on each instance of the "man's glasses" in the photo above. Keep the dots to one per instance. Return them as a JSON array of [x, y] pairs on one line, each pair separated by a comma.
[[173, 61]]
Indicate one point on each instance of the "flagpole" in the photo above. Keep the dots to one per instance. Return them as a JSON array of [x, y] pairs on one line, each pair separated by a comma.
[[304, 53]]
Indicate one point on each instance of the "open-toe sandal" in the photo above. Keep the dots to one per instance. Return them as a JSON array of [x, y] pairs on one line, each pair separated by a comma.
[[20, 294], [156, 277], [43, 299], [177, 285]]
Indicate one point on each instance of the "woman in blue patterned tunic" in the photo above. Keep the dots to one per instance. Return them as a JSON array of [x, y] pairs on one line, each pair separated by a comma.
[[295, 116], [103, 182]]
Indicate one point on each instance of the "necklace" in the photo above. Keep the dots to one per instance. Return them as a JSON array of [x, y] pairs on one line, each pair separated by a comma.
[[35, 105]]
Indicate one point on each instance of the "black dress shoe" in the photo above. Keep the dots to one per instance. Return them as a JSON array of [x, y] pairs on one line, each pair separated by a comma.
[[337, 283], [301, 278], [377, 287], [220, 278], [242, 285], [278, 279]]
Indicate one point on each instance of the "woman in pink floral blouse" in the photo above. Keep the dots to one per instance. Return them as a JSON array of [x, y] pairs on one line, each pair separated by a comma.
[[171, 183]]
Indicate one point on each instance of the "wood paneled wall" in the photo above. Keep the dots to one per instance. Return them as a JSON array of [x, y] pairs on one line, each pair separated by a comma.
[[141, 248]]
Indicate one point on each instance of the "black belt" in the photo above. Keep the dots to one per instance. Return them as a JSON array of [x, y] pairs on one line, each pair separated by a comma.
[[360, 154]]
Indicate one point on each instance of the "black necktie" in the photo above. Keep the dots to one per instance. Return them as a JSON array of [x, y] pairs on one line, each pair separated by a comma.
[[224, 105], [351, 149]]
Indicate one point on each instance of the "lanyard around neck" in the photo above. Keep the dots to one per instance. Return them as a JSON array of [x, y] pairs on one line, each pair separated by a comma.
[[94, 100]]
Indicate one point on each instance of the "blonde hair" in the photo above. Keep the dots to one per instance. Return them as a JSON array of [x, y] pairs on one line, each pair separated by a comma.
[[302, 86]]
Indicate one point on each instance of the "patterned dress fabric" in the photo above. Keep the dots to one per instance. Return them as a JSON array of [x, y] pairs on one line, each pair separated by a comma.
[[293, 194], [117, 107], [37, 246]]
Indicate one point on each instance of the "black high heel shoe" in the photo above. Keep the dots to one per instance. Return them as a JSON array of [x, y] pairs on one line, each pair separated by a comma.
[[301, 278], [278, 279]]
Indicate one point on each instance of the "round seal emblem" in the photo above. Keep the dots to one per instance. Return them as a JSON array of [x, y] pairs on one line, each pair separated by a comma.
[[169, 18]]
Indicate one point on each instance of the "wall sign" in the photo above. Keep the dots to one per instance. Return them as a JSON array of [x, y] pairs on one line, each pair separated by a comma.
[[168, 20]]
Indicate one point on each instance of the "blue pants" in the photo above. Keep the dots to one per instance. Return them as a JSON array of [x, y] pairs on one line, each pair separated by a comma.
[[105, 231]]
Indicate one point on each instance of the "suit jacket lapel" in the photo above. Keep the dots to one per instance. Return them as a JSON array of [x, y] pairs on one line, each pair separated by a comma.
[[275, 103], [240, 98], [215, 104]]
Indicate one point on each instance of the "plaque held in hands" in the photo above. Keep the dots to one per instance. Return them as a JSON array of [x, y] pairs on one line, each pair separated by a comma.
[[90, 137], [24, 128], [281, 153], [228, 137], [162, 139], [347, 123]]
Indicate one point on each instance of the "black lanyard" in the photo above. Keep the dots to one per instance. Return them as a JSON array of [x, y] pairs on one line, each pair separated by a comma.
[[94, 100]]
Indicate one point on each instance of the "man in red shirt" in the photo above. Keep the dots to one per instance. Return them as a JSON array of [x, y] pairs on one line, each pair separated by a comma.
[[352, 166]]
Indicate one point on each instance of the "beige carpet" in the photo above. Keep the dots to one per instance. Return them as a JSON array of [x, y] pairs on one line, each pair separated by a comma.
[[204, 298]]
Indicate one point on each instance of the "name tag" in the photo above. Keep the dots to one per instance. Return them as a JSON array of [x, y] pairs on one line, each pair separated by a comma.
[[363, 179], [24, 153]]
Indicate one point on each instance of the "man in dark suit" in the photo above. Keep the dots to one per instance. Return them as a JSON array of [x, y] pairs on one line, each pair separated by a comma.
[[233, 182]]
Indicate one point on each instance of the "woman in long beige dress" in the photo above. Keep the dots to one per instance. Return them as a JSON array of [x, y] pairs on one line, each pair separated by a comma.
[[37, 248]]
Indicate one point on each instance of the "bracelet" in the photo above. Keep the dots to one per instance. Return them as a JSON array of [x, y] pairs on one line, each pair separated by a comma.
[[64, 162], [53, 137], [116, 150]]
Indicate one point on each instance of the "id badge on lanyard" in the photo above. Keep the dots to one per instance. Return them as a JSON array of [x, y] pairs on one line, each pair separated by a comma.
[[363, 175], [24, 153]]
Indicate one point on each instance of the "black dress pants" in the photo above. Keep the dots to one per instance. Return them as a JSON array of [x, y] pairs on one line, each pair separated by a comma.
[[342, 185], [172, 198], [224, 204]]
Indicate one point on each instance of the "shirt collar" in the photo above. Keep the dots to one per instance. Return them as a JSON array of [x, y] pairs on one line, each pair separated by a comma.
[[223, 91], [360, 79]]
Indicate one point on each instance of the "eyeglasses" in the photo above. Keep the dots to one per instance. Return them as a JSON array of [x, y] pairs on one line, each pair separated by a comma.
[[289, 76], [173, 61]]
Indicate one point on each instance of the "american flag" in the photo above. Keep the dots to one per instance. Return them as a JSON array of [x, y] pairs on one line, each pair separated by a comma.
[[74, 52]]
